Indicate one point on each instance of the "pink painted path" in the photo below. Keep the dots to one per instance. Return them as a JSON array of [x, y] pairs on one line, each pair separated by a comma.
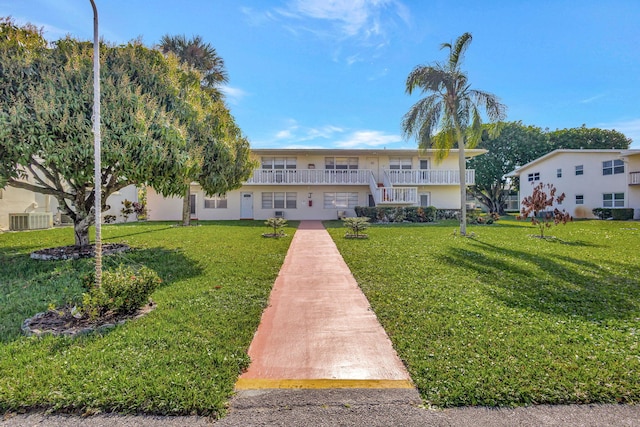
[[319, 330]]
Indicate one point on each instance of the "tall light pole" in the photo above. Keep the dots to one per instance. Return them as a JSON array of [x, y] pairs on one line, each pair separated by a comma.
[[97, 177]]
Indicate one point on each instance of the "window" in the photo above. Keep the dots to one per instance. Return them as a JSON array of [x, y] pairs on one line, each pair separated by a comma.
[[559, 173], [579, 199], [278, 163], [580, 170], [279, 200], [424, 163], [611, 167], [217, 202], [613, 200], [341, 163], [534, 177], [400, 163], [340, 200]]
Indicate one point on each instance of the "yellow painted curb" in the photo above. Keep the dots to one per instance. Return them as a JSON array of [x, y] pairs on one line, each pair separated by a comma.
[[259, 383]]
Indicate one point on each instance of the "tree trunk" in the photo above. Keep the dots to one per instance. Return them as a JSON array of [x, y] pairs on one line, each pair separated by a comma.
[[81, 230], [186, 207], [462, 165]]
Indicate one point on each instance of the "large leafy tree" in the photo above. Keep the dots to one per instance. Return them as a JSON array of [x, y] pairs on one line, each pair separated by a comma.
[[515, 145], [450, 114], [151, 107], [204, 142], [587, 138]]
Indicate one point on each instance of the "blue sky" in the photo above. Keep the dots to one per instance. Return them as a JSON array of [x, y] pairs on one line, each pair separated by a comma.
[[331, 73]]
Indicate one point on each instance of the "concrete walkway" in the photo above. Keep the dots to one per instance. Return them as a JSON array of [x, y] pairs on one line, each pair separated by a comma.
[[319, 330]]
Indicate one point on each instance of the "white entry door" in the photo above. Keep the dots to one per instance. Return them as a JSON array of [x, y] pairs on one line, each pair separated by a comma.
[[246, 206]]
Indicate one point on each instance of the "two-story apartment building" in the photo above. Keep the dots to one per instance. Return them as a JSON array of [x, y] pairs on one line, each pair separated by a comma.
[[326, 184], [589, 178]]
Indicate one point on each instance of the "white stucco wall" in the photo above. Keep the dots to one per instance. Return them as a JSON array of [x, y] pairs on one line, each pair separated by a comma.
[[592, 184]]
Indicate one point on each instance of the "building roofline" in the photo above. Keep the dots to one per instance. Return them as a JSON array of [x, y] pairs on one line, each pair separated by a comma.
[[516, 172], [360, 151]]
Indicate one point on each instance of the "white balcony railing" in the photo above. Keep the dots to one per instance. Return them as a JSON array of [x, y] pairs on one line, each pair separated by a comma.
[[310, 176], [429, 176], [396, 196], [634, 178]]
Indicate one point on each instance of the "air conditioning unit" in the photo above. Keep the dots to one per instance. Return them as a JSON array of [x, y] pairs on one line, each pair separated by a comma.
[[30, 221], [279, 214]]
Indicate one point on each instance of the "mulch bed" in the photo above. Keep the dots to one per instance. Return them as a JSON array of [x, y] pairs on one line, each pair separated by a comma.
[[76, 252], [61, 322]]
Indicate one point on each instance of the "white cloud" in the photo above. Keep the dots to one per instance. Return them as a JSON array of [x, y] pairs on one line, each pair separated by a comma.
[[630, 128], [295, 133], [593, 98], [233, 94], [368, 139], [365, 22], [256, 18]]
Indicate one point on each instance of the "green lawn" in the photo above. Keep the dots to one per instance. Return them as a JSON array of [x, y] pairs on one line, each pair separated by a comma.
[[183, 358], [504, 318], [498, 319]]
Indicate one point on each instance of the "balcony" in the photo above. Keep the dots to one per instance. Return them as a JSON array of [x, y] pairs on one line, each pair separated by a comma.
[[396, 196], [634, 178], [309, 177], [429, 176]]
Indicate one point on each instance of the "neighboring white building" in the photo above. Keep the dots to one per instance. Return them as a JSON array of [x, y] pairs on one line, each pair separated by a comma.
[[589, 178], [327, 183], [23, 209]]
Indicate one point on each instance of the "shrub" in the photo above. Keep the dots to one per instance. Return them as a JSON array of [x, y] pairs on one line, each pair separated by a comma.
[[123, 291], [447, 214], [622, 214], [277, 224], [397, 214], [127, 209], [602, 213], [108, 219], [356, 225]]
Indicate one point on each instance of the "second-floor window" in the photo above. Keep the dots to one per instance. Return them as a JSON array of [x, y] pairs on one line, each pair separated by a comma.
[[341, 163], [278, 163], [559, 173], [533, 177], [400, 163], [580, 170], [611, 167]]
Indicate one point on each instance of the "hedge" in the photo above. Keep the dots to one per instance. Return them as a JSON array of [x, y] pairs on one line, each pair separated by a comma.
[[406, 214], [621, 214]]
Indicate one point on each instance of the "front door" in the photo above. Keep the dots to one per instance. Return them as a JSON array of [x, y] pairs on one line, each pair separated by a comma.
[[246, 205], [425, 200]]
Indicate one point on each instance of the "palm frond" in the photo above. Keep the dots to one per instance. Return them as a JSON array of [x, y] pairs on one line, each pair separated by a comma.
[[495, 110], [458, 49]]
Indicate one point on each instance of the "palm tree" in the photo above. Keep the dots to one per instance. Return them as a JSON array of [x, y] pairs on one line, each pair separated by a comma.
[[203, 58], [450, 113], [200, 56]]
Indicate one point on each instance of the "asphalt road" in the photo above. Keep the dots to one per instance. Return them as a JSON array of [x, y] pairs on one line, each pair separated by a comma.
[[354, 407]]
